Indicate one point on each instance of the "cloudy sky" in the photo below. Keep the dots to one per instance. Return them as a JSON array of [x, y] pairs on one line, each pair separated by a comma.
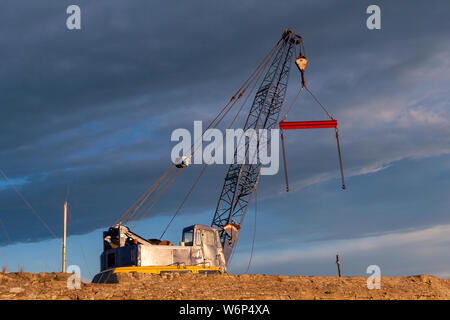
[[91, 111]]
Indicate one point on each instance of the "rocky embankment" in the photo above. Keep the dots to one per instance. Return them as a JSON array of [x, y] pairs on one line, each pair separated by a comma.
[[53, 286]]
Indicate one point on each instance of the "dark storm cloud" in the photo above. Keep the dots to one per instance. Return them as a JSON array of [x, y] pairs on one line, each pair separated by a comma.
[[94, 109]]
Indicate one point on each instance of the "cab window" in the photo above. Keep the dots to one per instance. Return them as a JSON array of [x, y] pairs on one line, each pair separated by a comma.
[[188, 237]]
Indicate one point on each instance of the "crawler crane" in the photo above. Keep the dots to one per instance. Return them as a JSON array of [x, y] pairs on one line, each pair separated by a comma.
[[207, 249]]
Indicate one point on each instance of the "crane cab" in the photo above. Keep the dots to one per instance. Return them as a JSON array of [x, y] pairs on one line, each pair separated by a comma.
[[200, 251]]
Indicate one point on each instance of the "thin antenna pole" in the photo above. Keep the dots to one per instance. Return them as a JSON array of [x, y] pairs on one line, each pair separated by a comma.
[[64, 238], [338, 265]]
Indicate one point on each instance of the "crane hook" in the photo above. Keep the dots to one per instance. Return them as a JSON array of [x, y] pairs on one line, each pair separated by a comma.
[[301, 62]]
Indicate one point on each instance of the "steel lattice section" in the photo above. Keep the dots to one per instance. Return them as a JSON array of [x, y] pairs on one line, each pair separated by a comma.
[[242, 178]]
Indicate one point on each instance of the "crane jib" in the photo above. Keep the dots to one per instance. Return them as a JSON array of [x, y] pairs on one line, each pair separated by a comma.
[[241, 179]]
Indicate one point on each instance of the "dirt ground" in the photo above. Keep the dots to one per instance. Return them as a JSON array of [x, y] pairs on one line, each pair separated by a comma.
[[53, 286]]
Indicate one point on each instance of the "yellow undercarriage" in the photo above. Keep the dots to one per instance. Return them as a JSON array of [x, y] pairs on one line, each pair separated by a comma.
[[105, 275], [158, 269]]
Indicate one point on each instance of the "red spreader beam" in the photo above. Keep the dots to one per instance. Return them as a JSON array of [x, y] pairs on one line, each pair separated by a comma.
[[308, 124]]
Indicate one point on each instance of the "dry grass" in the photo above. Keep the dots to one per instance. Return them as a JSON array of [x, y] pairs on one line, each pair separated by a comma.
[[53, 286]]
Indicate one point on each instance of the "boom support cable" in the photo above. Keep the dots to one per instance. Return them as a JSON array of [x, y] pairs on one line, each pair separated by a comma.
[[184, 200], [5, 231], [28, 204], [142, 207], [260, 73], [156, 198], [130, 214]]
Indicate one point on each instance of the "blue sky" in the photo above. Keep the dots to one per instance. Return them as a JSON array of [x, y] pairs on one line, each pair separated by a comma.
[[94, 110]]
